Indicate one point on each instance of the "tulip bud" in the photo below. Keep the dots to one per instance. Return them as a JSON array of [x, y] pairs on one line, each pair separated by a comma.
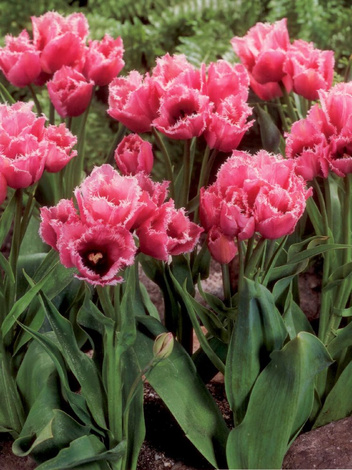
[[163, 345]]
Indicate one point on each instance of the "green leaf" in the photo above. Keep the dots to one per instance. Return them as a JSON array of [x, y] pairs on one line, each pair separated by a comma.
[[279, 405], [295, 320], [342, 340], [258, 331], [269, 132], [338, 403], [176, 381], [84, 450], [6, 219], [81, 365]]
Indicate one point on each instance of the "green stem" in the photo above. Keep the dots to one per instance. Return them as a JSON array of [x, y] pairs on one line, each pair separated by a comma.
[[51, 113], [284, 122], [241, 265], [16, 237], [117, 139], [226, 283], [35, 99], [184, 196], [105, 302], [167, 161], [290, 109]]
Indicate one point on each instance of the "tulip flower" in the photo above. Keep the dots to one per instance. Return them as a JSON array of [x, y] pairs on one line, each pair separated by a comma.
[[168, 232], [310, 69], [59, 147], [59, 39], [99, 252], [133, 155], [54, 218], [70, 92], [19, 60], [170, 67], [134, 100], [103, 60], [3, 188]]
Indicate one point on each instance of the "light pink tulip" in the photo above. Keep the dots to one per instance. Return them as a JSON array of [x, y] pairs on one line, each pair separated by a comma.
[[70, 92], [59, 39], [183, 112], [170, 67], [226, 80], [133, 155], [99, 252], [19, 60], [134, 100], [310, 69], [103, 60], [168, 232], [60, 142], [263, 50], [54, 218]]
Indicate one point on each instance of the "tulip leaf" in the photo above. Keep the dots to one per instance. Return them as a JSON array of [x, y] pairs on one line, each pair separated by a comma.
[[79, 363], [338, 403], [6, 219], [259, 330], [269, 132], [338, 276], [279, 405], [11, 412], [295, 320], [177, 383], [342, 340], [85, 450]]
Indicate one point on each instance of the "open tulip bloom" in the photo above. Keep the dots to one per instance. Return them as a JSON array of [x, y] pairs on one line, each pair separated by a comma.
[[177, 189]]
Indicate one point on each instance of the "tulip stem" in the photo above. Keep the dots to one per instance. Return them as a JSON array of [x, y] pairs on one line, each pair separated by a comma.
[[226, 283], [51, 113], [35, 99], [183, 199], [167, 161], [117, 139]]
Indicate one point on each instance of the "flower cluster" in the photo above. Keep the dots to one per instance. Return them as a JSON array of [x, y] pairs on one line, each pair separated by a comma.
[[259, 193], [323, 141], [99, 239], [58, 55], [27, 147], [272, 60], [182, 102]]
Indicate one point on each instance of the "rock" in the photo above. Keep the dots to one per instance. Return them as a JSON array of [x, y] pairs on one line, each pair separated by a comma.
[[326, 447]]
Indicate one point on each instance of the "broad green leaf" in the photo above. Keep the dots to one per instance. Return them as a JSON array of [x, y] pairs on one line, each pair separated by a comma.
[[338, 403], [34, 372], [279, 405], [338, 276], [176, 381], [79, 363], [259, 330], [295, 320], [342, 340], [84, 450], [148, 304], [76, 401], [21, 305], [11, 411], [269, 132]]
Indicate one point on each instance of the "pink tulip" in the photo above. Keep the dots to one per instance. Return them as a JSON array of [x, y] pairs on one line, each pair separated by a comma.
[[70, 92], [170, 67], [54, 218], [22, 156], [59, 147], [133, 155], [19, 60], [308, 145], [310, 69], [226, 80], [222, 248], [99, 252], [183, 112], [168, 232], [60, 40], [103, 60], [134, 100], [228, 124], [263, 50]]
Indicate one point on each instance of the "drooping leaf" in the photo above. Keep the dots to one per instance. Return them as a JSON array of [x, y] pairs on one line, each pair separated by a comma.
[[259, 330], [279, 405]]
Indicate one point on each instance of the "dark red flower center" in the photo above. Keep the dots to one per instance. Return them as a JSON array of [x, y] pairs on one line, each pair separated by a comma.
[[97, 261]]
